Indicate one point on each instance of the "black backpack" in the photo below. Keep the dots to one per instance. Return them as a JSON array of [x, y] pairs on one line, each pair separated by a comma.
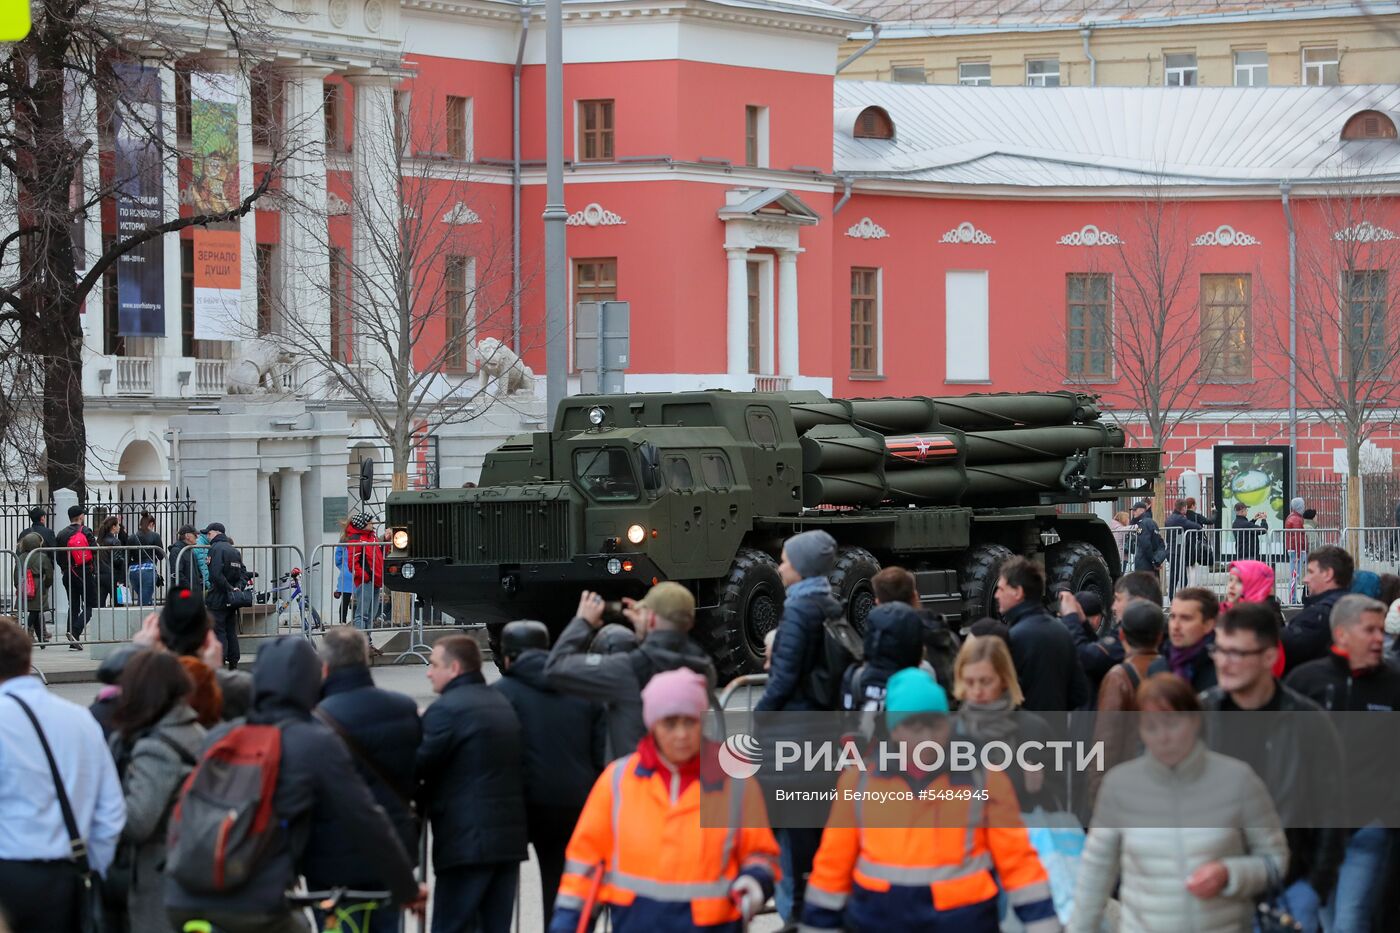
[[841, 646]]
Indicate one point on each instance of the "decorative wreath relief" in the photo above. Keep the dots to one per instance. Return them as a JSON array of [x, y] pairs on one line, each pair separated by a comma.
[[966, 232], [1364, 232], [1089, 235], [1225, 235], [867, 229], [594, 216]]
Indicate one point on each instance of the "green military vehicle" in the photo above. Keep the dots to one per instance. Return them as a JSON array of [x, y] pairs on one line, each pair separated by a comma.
[[702, 488]]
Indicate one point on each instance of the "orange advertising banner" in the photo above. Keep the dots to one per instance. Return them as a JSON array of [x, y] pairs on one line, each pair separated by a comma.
[[218, 283]]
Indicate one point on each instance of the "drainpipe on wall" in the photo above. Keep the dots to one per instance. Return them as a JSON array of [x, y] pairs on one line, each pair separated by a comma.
[[1284, 188], [845, 195], [874, 38], [1085, 33], [515, 185]]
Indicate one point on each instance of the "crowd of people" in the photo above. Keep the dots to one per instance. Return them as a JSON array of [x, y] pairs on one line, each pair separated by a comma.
[[192, 792]]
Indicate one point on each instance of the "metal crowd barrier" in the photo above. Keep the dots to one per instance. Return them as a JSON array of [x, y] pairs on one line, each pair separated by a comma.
[[380, 616], [1202, 558], [1374, 549]]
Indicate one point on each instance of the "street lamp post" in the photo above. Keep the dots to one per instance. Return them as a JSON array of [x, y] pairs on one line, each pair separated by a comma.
[[555, 214]]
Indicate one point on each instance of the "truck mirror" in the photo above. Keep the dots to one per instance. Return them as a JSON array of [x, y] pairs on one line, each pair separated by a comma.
[[651, 466], [366, 479]]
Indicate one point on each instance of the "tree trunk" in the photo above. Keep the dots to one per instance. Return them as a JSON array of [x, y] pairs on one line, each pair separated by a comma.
[[1353, 517]]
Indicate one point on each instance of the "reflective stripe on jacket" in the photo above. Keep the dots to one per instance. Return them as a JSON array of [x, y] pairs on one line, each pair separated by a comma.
[[926, 864], [663, 871]]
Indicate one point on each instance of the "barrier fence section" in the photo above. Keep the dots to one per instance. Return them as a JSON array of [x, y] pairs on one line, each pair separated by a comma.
[[1202, 557], [347, 585]]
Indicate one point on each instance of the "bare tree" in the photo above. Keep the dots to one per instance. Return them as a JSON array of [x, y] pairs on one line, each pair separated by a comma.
[[1135, 332], [54, 83], [1348, 318], [425, 278]]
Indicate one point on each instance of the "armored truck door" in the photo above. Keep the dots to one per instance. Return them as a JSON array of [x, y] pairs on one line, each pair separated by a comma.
[[687, 511], [729, 512]]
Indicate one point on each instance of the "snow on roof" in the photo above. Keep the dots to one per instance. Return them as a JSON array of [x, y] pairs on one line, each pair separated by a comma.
[[1120, 136]]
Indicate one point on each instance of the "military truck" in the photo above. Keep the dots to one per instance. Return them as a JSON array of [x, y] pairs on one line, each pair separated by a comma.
[[703, 487]]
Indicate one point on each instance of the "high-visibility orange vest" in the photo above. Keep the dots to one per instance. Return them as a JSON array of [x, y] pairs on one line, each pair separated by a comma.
[[875, 858], [662, 870]]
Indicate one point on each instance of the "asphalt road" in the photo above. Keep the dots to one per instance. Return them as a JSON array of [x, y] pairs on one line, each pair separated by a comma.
[[412, 680]]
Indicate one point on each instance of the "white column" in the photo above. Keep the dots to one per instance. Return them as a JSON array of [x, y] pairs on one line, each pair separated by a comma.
[[375, 211], [304, 256], [170, 243], [289, 517], [788, 359], [86, 120], [738, 319], [264, 508]]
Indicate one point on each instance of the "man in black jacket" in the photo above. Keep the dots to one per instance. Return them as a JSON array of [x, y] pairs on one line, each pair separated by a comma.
[[382, 731], [1354, 678], [1249, 535], [894, 640], [470, 769], [662, 619], [565, 743], [1308, 635], [1282, 750], [226, 574], [319, 798], [79, 573], [1096, 644], [1149, 546], [39, 524], [183, 572], [1047, 664], [1190, 635], [1184, 548]]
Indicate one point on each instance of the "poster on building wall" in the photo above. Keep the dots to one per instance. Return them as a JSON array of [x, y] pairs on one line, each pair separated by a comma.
[[140, 200], [217, 285], [1258, 478]]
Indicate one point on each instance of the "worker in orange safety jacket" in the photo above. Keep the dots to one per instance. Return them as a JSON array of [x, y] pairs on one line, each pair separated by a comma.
[[639, 847], [924, 864]]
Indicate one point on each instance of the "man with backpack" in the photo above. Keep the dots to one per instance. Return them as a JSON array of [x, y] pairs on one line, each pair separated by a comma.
[[79, 573], [299, 808], [663, 620], [897, 585], [228, 579], [893, 641], [808, 559], [1141, 631]]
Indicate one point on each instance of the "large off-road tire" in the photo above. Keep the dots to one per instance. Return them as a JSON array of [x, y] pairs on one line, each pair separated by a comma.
[[750, 605], [977, 578], [1078, 565], [850, 584]]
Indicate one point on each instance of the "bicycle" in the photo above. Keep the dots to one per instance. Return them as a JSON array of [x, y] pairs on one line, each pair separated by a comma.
[[341, 909], [306, 614]]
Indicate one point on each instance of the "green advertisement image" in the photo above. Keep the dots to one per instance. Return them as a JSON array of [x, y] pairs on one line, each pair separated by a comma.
[[213, 143]]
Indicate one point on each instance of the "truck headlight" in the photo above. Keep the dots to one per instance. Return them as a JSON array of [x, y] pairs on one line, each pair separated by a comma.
[[596, 417], [636, 534], [400, 540]]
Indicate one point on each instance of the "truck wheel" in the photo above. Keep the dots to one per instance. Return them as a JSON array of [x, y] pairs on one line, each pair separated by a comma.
[[978, 580], [1078, 565], [750, 605], [850, 584]]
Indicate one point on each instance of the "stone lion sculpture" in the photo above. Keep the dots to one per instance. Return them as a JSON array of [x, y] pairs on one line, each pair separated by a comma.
[[500, 369], [257, 367]]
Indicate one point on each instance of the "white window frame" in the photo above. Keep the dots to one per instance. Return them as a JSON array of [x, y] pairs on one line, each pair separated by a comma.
[[766, 312], [910, 65], [1250, 70], [1041, 79], [967, 352], [975, 80], [1179, 72], [763, 150], [1319, 66], [468, 128], [469, 296]]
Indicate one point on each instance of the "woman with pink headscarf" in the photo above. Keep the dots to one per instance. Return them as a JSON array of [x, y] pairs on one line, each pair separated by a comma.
[[1252, 581]]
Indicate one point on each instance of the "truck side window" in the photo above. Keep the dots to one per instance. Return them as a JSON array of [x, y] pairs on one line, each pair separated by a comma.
[[763, 429], [716, 471], [678, 473], [605, 473]]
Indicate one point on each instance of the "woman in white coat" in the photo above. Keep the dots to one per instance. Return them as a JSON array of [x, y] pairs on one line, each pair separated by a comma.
[[1190, 836]]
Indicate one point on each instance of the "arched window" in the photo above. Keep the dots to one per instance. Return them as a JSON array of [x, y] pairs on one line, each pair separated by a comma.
[[1369, 124], [875, 123]]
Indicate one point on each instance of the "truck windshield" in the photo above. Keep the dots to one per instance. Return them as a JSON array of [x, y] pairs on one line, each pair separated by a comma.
[[605, 473]]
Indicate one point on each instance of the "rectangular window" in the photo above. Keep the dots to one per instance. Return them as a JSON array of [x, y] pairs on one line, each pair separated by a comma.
[[459, 127], [265, 274], [342, 318], [265, 107], [1042, 72], [1089, 326], [1225, 327], [975, 74], [756, 136], [1367, 299], [595, 133], [594, 280], [1321, 66], [966, 334], [908, 73], [755, 271], [1252, 68], [456, 289], [335, 130], [1179, 69], [865, 322]]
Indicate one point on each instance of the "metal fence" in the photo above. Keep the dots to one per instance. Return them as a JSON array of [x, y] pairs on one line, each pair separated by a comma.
[[367, 605], [1202, 558]]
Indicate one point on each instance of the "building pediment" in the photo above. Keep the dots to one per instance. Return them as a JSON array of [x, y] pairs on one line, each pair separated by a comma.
[[766, 205]]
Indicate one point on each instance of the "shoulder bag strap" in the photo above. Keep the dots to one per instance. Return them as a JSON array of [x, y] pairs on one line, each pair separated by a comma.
[[359, 752], [75, 839], [184, 754]]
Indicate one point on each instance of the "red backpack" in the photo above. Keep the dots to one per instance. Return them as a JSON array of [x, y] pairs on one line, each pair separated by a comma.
[[79, 544], [223, 827]]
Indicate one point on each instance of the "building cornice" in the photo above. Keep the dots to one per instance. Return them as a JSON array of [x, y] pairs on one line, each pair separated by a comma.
[[757, 14]]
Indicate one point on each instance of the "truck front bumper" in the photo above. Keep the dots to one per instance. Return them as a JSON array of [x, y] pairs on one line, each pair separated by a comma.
[[442, 581]]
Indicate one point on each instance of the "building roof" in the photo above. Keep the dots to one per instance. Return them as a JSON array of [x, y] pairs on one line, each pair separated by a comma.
[[1117, 137], [953, 17]]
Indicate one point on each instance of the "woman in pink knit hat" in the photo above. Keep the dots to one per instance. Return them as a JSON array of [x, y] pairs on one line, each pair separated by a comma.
[[1252, 581], [639, 847]]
